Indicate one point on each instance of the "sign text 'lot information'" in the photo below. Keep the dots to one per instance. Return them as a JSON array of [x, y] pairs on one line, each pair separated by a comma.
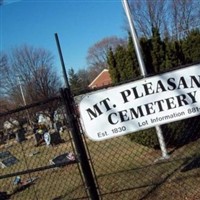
[[142, 104]]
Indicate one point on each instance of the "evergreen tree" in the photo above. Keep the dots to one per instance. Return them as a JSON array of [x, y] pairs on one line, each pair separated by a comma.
[[191, 46], [132, 67], [120, 57], [157, 52], [171, 58], [179, 53], [122, 63], [74, 81], [112, 66], [84, 78], [146, 50]]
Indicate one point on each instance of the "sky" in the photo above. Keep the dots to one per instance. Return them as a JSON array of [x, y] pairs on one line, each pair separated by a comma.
[[78, 23]]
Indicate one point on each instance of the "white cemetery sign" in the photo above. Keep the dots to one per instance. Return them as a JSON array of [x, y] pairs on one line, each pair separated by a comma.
[[141, 104]]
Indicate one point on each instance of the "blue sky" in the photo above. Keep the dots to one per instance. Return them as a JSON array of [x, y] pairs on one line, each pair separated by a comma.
[[79, 24]]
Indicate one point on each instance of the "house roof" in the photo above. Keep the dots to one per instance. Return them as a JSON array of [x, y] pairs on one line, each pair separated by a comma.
[[102, 79]]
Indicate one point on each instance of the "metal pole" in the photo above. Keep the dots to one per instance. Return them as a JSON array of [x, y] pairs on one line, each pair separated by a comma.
[[76, 134], [24, 100], [62, 61], [21, 90], [79, 145], [135, 39], [143, 71]]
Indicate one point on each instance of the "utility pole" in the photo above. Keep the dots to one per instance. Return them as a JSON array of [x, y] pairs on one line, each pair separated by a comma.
[[24, 99], [21, 91]]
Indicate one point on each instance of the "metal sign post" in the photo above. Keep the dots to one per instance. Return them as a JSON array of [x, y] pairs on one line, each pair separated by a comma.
[[143, 71]]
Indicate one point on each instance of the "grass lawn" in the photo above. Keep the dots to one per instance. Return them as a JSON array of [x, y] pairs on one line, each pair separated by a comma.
[[124, 170]]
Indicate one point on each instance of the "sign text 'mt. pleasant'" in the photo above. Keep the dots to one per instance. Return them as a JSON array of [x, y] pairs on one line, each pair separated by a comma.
[[170, 93], [148, 89]]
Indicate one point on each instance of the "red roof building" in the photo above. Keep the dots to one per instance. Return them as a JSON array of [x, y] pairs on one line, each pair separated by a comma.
[[101, 80]]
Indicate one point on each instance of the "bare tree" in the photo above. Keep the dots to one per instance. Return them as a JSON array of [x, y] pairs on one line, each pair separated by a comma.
[[149, 14], [185, 16], [173, 18], [32, 72], [97, 54]]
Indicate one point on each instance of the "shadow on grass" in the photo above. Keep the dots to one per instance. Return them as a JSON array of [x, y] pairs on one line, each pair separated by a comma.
[[189, 164], [20, 188], [181, 133], [193, 164], [4, 196], [158, 185]]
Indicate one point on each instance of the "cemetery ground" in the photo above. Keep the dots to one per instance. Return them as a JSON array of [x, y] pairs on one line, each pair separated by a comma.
[[124, 170]]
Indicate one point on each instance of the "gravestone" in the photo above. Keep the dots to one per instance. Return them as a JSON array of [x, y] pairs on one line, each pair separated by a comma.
[[4, 154], [64, 159], [47, 138], [55, 138], [7, 162], [7, 159], [20, 135], [1, 137]]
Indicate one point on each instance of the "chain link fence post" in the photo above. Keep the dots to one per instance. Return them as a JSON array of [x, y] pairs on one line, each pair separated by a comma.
[[79, 145]]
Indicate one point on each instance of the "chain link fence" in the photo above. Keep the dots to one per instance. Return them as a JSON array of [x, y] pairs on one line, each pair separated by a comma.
[[133, 167], [38, 159], [126, 169]]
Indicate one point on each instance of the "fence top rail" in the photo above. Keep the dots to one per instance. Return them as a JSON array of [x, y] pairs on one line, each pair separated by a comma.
[[29, 106]]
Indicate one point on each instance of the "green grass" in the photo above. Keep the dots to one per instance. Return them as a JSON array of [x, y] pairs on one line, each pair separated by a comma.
[[124, 170]]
